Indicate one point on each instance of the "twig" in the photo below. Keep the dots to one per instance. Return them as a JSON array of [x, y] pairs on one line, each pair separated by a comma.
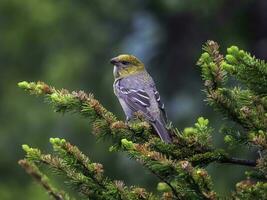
[[33, 171], [239, 161]]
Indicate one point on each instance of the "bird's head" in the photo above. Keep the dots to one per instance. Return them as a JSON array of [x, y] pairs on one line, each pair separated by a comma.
[[126, 65]]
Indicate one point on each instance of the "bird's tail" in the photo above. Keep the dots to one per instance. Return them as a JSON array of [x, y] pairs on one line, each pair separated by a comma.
[[162, 131]]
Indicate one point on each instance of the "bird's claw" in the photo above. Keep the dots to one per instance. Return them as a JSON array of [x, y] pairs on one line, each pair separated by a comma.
[[260, 155], [127, 121]]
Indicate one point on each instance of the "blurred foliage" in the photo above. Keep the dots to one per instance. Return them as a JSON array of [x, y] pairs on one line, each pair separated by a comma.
[[68, 43]]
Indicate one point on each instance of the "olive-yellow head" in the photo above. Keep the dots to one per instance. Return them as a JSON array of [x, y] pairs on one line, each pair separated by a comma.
[[126, 65]]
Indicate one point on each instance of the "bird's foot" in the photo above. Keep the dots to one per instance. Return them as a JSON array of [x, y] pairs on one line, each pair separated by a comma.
[[260, 155], [169, 126], [127, 120]]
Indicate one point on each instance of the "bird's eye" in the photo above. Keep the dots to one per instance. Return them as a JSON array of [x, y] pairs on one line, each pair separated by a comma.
[[125, 62]]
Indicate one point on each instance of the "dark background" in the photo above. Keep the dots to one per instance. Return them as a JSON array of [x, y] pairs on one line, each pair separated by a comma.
[[68, 44]]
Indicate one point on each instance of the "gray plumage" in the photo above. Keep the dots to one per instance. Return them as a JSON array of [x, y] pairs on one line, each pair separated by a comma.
[[138, 92]]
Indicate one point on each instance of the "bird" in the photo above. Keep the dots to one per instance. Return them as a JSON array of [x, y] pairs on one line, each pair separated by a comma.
[[137, 93]]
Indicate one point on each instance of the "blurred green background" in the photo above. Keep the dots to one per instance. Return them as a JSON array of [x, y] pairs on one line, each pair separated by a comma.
[[68, 44]]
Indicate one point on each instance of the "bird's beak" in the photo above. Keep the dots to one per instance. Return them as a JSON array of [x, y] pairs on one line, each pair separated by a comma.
[[114, 61]]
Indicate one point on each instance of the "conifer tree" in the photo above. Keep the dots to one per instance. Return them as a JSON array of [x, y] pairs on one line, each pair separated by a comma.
[[180, 166]]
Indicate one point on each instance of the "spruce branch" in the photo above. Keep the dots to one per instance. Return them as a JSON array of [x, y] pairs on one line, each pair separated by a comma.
[[192, 141], [40, 178], [240, 105], [82, 183], [177, 165], [246, 106], [84, 174], [106, 124], [173, 173], [249, 189], [247, 69]]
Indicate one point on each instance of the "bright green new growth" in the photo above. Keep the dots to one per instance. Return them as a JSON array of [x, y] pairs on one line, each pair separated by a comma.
[[250, 71], [179, 166]]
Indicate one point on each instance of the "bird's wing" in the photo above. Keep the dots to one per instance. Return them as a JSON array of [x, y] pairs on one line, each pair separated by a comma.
[[137, 100], [160, 105]]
